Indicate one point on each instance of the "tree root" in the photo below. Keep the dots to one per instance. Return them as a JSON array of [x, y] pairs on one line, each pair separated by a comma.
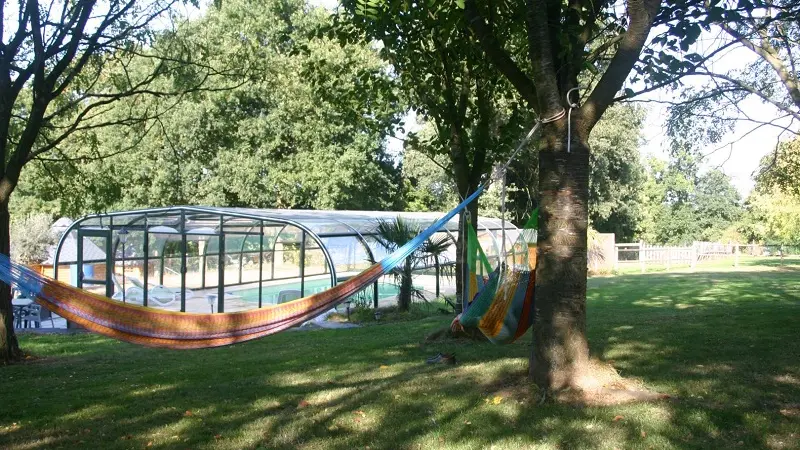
[[601, 385]]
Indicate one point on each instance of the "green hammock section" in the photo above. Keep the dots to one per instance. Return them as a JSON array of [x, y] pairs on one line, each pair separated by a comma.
[[475, 255], [502, 308]]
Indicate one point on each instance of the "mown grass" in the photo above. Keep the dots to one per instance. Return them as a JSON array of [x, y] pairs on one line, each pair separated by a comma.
[[726, 263], [418, 310], [725, 344]]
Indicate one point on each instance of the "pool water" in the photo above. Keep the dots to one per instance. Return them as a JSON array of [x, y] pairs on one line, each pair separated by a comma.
[[270, 293]]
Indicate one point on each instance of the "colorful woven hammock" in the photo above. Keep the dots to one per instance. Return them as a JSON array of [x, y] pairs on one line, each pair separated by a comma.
[[502, 309], [179, 330]]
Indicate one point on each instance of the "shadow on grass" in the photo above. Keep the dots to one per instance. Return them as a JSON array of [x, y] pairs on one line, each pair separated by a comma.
[[724, 345]]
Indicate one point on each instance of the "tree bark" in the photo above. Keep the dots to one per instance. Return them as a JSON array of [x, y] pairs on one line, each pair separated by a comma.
[[9, 346], [560, 352], [404, 299]]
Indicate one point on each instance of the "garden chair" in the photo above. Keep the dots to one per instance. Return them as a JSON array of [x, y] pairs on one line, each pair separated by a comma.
[[34, 314], [160, 294], [288, 295], [132, 294]]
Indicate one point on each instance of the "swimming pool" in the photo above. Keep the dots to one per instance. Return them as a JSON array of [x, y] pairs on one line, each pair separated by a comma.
[[270, 293]]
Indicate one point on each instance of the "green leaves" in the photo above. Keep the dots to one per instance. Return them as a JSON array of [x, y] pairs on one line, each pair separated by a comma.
[[781, 169], [298, 121], [690, 35], [773, 217], [681, 206], [31, 238], [617, 174], [370, 9]]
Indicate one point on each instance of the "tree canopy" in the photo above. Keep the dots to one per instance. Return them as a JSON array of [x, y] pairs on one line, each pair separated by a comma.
[[681, 206], [473, 112], [764, 36], [774, 217], [617, 177], [301, 124], [782, 169], [773, 208]]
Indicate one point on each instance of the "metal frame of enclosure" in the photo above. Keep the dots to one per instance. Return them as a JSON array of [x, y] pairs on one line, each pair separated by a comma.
[[226, 247]]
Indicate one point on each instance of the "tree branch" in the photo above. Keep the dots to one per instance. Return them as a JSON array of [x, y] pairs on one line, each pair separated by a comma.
[[83, 116], [498, 55], [641, 14], [677, 76], [594, 54], [746, 87], [541, 57], [788, 46], [10, 50], [688, 101], [789, 81]]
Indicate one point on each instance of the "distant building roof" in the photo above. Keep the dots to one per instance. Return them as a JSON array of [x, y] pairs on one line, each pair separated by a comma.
[[61, 225], [69, 251]]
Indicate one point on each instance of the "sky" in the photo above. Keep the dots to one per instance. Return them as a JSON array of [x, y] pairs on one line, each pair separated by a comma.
[[739, 153]]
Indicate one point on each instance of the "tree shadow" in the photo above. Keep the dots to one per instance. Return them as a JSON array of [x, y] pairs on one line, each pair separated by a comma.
[[723, 345]]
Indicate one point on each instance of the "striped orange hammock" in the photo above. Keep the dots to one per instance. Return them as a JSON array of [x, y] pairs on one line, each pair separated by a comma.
[[179, 330]]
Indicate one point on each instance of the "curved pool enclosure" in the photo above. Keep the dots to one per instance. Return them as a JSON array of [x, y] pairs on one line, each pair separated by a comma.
[[196, 259]]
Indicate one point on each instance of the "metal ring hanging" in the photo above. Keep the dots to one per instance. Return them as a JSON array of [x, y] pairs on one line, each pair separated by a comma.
[[569, 119]]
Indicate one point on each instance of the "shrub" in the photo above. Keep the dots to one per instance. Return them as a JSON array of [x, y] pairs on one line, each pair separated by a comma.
[[31, 238]]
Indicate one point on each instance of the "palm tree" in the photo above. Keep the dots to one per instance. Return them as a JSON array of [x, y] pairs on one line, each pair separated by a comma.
[[393, 234]]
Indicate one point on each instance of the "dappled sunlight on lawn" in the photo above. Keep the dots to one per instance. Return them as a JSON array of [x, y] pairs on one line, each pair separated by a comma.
[[723, 345], [715, 341]]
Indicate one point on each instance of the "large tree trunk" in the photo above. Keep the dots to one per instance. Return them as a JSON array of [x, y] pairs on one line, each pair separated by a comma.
[[9, 347], [560, 351]]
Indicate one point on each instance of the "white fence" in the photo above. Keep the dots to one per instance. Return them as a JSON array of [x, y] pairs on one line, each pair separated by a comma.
[[643, 255]]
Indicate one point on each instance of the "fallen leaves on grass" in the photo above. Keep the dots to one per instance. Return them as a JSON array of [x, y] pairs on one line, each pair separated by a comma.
[[496, 400], [359, 415], [617, 418]]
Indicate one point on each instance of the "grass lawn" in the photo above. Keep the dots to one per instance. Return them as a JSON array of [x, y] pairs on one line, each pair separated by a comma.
[[724, 343]]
